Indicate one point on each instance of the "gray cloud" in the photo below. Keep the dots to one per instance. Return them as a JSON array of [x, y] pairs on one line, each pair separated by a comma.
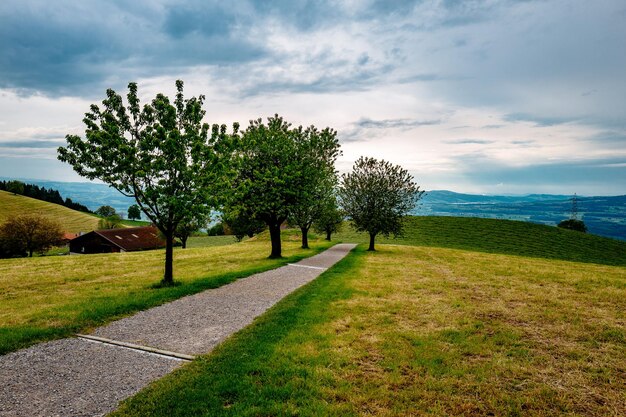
[[37, 144], [469, 142], [592, 177], [538, 120], [364, 128]]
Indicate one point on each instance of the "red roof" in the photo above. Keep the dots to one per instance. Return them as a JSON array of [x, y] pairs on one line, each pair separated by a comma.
[[133, 238]]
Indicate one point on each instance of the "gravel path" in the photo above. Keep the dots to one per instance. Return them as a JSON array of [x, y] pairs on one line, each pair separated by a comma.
[[77, 377], [74, 377]]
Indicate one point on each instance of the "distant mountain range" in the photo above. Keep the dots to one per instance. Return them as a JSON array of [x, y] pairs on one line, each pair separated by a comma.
[[604, 216]]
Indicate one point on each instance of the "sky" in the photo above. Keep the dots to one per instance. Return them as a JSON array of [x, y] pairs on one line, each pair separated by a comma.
[[490, 97]]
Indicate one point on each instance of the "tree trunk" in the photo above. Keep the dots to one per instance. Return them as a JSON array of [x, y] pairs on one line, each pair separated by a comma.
[[372, 237], [275, 237], [183, 240], [328, 233], [168, 276], [30, 253], [305, 237]]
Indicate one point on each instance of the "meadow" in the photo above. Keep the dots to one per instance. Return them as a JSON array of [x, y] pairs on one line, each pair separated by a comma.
[[457, 317], [418, 330], [70, 220], [56, 296]]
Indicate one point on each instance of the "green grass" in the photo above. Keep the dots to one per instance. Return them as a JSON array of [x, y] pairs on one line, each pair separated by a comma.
[[502, 236], [49, 297], [135, 223], [210, 241], [420, 331], [70, 220]]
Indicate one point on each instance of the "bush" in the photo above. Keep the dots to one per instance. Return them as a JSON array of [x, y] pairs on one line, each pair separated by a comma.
[[573, 224], [216, 230]]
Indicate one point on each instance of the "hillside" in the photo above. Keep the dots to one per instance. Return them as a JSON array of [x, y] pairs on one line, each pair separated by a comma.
[[604, 216], [70, 220], [505, 237]]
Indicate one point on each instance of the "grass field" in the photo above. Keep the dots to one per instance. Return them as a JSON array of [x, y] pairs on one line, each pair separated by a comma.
[[420, 331], [502, 236], [70, 220], [48, 297]]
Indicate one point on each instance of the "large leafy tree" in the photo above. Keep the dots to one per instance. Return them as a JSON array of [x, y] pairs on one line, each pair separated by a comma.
[[187, 227], [318, 153], [134, 212], [105, 211], [242, 224], [30, 233], [329, 218], [161, 153], [376, 196], [272, 168]]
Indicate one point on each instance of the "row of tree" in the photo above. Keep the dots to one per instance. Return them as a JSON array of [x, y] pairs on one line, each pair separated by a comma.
[[41, 193], [179, 169]]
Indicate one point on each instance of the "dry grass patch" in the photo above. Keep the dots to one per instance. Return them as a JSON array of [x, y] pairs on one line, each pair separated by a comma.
[[454, 332]]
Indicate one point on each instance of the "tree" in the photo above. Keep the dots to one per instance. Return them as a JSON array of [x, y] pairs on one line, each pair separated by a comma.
[[242, 224], [316, 159], [330, 217], [269, 179], [28, 233], [573, 224], [376, 196], [162, 154], [105, 211], [188, 226], [15, 187], [134, 212], [110, 222]]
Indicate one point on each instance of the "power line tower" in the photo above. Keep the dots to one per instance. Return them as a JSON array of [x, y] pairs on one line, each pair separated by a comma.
[[574, 214]]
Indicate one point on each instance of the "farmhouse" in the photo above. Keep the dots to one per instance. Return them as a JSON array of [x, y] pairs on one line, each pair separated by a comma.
[[117, 240]]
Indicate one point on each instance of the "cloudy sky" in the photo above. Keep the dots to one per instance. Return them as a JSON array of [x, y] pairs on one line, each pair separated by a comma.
[[500, 97]]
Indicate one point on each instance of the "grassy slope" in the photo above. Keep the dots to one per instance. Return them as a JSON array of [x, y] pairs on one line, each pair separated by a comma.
[[70, 220], [503, 236], [424, 330], [43, 298]]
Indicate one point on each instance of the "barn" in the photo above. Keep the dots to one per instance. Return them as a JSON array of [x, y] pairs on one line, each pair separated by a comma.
[[117, 240]]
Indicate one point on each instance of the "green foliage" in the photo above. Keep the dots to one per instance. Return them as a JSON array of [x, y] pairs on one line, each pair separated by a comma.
[[189, 226], [329, 218], [216, 230], [573, 224], [272, 170], [243, 224], [376, 196], [105, 211], [15, 187], [110, 222], [134, 212], [162, 154], [28, 234]]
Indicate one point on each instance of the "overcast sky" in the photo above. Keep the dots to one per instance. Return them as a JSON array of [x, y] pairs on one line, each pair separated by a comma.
[[499, 97]]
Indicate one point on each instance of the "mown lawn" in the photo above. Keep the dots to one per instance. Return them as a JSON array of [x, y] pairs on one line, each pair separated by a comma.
[[502, 236], [49, 297], [420, 331]]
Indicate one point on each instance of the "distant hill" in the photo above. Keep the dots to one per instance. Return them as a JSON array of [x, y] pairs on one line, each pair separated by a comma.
[[90, 194], [70, 220], [503, 236], [604, 216]]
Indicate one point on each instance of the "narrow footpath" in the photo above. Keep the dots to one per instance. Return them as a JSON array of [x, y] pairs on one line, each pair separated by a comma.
[[90, 374]]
